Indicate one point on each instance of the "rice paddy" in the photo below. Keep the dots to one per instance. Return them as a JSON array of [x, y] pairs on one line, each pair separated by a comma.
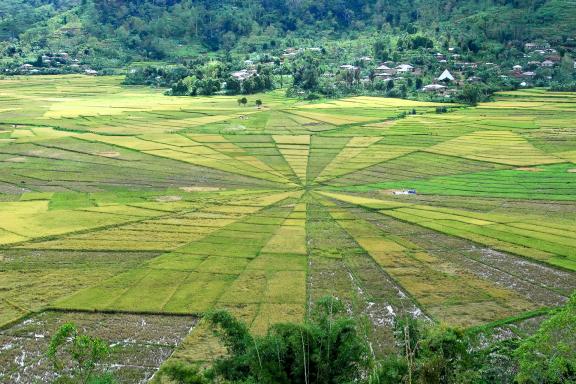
[[121, 200]]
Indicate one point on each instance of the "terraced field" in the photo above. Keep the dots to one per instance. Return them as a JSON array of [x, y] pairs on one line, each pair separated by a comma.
[[120, 200]]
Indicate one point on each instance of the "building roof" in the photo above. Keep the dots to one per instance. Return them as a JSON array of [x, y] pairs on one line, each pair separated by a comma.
[[433, 87], [404, 68], [446, 75]]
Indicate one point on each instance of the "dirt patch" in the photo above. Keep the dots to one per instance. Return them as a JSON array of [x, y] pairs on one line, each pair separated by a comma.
[[140, 343], [200, 189], [529, 169], [168, 199], [16, 160], [572, 170], [108, 154]]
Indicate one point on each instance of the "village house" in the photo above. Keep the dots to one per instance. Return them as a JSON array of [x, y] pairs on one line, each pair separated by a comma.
[[91, 72], [384, 71], [446, 76], [244, 74], [462, 66], [534, 64], [517, 68], [548, 64], [348, 67], [434, 88], [404, 68], [290, 53], [536, 46], [528, 74]]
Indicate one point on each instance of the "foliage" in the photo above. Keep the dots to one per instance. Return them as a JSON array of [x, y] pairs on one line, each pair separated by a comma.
[[326, 349], [549, 356], [472, 94], [83, 351], [180, 373]]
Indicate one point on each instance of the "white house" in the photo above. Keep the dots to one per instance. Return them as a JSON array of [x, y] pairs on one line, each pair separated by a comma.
[[446, 76], [434, 88], [404, 68], [243, 74], [349, 67], [384, 71]]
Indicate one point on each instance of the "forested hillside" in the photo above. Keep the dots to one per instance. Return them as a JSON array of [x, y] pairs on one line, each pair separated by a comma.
[[119, 31]]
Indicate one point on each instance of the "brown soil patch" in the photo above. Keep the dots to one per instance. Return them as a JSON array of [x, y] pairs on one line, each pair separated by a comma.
[[108, 154], [168, 199], [199, 189], [572, 170], [388, 191], [529, 169], [16, 160]]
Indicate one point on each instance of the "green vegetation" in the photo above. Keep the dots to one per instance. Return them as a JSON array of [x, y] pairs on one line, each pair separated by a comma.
[[327, 49], [118, 200], [83, 351], [329, 349]]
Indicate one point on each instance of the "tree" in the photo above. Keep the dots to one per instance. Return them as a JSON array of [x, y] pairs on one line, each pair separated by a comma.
[[549, 356], [421, 42], [84, 352], [390, 85], [259, 103], [233, 86], [471, 94], [243, 101], [380, 50], [325, 349], [418, 83]]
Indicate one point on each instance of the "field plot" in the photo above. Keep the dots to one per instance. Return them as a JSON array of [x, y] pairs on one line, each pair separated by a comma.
[[141, 344], [120, 203]]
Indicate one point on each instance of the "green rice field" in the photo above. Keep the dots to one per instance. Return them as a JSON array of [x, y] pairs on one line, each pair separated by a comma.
[[119, 200]]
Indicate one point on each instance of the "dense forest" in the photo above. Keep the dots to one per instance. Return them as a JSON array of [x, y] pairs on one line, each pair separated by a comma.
[[127, 30]]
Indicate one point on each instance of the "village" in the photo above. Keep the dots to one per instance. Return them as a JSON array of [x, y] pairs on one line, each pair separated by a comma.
[[442, 74], [432, 72]]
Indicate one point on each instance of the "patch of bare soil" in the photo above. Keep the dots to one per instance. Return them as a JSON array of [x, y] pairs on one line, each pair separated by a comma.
[[140, 343], [16, 160], [572, 170], [200, 189], [168, 199], [529, 169]]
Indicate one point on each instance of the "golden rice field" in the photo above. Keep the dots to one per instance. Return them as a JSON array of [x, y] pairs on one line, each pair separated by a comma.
[[121, 200]]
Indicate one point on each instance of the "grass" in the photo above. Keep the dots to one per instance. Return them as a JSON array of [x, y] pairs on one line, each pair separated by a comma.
[[119, 199]]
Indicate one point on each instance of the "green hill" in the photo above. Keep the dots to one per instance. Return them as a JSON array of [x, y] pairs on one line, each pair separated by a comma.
[[115, 32]]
